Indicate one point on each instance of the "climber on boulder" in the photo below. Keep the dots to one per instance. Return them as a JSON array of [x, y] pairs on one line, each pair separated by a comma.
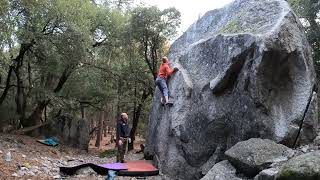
[[164, 73]]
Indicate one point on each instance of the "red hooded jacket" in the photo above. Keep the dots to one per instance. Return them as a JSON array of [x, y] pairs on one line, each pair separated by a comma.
[[165, 71]]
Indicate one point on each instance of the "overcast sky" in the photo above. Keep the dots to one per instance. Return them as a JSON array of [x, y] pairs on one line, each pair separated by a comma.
[[190, 9]]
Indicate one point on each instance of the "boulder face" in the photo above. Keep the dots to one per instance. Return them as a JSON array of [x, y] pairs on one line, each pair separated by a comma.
[[246, 71], [254, 155]]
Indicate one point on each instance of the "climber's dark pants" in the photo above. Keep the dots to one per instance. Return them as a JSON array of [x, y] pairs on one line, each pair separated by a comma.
[[122, 150]]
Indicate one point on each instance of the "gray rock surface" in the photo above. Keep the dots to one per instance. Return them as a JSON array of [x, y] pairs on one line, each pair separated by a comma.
[[303, 167], [246, 71], [222, 171], [255, 155]]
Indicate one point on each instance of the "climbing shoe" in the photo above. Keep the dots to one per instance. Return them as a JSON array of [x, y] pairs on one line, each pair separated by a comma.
[[170, 103]]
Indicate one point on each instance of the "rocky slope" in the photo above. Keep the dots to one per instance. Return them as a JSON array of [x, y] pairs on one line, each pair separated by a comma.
[[263, 159], [31, 160]]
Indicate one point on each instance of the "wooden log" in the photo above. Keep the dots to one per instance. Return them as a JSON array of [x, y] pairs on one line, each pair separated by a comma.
[[28, 129]]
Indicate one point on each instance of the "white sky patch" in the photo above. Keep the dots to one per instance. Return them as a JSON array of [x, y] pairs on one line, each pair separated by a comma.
[[190, 10]]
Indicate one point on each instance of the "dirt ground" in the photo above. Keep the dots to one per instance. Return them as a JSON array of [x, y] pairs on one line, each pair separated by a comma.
[[32, 160]]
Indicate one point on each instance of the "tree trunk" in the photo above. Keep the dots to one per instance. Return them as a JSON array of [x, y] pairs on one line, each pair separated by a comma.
[[119, 93], [45, 114], [31, 128], [5, 91], [136, 118], [20, 93], [36, 117], [82, 109], [105, 128], [63, 78], [99, 133]]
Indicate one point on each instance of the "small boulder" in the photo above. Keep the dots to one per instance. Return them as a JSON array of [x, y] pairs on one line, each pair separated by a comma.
[[222, 171], [267, 174], [86, 171], [255, 155], [316, 141], [303, 167]]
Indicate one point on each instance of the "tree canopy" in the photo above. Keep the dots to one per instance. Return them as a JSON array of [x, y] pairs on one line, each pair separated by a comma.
[[309, 12], [64, 56]]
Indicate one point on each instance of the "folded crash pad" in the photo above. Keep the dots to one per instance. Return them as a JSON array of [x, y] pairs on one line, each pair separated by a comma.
[[49, 142], [132, 168]]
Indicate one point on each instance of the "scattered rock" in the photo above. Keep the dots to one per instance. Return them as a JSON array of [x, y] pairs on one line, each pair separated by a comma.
[[7, 156], [41, 163], [57, 177], [255, 155], [303, 167], [27, 165], [305, 148], [86, 171], [317, 141], [267, 174], [222, 171]]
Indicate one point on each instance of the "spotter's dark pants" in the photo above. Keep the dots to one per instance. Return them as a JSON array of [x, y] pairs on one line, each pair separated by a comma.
[[121, 150]]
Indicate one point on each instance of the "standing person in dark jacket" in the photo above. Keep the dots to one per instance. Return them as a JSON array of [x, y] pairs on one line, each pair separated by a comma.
[[122, 136]]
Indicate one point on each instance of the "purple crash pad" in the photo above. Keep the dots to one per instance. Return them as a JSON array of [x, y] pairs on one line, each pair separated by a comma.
[[101, 169], [133, 168], [114, 166]]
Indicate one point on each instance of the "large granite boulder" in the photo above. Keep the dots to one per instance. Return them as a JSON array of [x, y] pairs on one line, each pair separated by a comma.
[[303, 167], [255, 155], [246, 71]]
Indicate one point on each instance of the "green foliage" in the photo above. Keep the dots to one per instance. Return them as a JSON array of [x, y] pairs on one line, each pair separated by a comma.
[[108, 153], [152, 21], [80, 52], [309, 12]]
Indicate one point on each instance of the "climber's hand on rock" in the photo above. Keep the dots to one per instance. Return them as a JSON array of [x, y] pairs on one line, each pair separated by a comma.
[[175, 69], [120, 143]]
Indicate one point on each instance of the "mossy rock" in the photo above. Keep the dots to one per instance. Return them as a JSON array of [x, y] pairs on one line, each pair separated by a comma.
[[304, 167]]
